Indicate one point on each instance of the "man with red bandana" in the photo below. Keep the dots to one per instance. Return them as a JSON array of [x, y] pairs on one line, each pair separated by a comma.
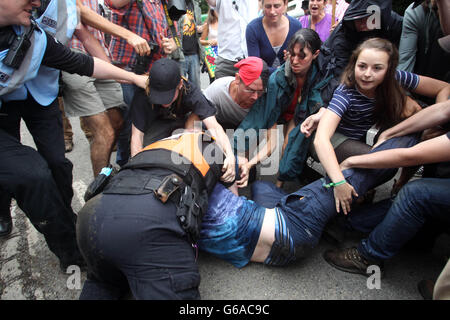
[[233, 97]]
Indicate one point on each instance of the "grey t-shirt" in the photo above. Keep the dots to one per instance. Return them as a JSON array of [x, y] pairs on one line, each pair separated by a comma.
[[229, 113]]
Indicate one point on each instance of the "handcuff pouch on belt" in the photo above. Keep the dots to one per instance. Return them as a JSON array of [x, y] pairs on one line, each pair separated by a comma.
[[190, 206], [190, 209], [168, 186]]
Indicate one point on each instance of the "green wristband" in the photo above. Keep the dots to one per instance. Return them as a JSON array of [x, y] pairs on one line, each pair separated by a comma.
[[333, 184]]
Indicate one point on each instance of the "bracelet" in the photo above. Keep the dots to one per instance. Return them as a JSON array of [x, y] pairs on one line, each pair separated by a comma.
[[332, 184]]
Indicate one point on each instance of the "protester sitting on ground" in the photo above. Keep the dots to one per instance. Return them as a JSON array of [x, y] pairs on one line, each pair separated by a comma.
[[141, 232], [233, 98], [278, 228], [292, 95], [209, 41], [370, 94], [171, 102], [268, 36], [318, 19], [419, 49], [134, 206], [417, 202], [362, 20]]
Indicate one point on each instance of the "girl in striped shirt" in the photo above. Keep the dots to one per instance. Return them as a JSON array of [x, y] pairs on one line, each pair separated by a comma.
[[372, 93]]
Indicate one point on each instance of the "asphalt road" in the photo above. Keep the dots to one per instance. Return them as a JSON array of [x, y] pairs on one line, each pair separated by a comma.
[[28, 270]]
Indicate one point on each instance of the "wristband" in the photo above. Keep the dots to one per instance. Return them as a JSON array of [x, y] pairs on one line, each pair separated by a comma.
[[332, 184]]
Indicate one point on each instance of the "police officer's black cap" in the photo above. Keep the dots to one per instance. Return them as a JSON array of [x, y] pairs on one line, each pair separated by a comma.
[[164, 77]]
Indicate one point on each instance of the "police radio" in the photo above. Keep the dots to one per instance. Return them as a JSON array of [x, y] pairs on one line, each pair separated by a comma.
[[19, 48]]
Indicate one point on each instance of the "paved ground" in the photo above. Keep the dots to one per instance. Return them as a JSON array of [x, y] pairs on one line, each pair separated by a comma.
[[28, 270]]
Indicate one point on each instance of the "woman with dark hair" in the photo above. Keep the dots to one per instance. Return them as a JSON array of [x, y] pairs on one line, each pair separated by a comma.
[[293, 94], [371, 93], [267, 36]]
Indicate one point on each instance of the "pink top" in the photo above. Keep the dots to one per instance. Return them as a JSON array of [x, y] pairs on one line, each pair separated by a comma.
[[341, 7]]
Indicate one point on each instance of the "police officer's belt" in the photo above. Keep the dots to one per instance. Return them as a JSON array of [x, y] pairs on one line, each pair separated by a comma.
[[186, 183]]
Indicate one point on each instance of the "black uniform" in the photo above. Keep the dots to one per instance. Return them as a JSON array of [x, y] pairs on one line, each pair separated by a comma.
[[131, 240]]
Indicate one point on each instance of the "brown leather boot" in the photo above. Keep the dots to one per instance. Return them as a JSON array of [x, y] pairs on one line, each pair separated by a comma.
[[350, 260]]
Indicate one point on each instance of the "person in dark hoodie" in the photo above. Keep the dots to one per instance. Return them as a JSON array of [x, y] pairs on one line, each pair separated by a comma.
[[363, 19]]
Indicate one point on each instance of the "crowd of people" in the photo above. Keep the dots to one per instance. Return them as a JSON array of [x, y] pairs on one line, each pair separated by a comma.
[[326, 78]]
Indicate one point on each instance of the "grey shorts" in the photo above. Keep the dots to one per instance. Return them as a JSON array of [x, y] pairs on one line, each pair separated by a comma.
[[225, 67], [86, 96]]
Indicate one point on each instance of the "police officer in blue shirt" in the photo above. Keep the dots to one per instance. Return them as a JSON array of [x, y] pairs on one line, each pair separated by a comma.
[[41, 113], [24, 174]]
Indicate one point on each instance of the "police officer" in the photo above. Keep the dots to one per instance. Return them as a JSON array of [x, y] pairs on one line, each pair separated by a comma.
[[61, 15], [24, 174], [140, 234]]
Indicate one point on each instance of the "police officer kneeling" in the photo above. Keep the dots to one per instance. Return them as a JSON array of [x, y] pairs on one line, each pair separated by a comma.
[[139, 234]]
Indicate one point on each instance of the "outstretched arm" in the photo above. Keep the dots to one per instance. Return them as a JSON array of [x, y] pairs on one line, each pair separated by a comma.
[[105, 70], [343, 193], [430, 151], [262, 154], [433, 88], [429, 117], [219, 134], [60, 57], [96, 21]]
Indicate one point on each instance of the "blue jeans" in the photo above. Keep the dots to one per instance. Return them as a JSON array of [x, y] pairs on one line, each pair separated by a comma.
[[308, 210], [266, 194], [416, 202], [123, 141], [191, 68]]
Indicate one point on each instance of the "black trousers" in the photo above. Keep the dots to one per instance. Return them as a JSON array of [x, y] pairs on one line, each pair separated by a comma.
[[45, 125], [135, 242], [25, 175]]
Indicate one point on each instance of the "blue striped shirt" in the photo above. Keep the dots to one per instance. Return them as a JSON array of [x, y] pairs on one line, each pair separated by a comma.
[[356, 110]]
